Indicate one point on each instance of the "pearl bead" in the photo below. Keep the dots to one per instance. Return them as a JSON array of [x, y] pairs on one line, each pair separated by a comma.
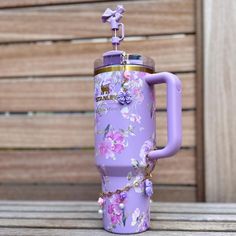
[[150, 201], [100, 211], [121, 206]]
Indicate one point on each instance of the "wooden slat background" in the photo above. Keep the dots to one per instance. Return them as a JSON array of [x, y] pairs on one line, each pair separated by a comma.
[[83, 20], [46, 90], [220, 100]]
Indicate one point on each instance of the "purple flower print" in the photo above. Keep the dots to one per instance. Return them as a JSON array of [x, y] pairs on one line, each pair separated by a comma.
[[117, 139], [148, 187], [105, 148], [115, 212], [113, 143], [123, 196], [116, 136], [146, 147], [140, 220], [149, 191], [148, 183]]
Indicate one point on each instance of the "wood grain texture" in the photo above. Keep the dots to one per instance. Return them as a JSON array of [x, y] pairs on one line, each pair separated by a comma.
[[33, 3], [220, 99], [83, 20], [71, 166], [87, 192], [216, 210], [170, 54], [21, 231], [97, 224], [71, 94], [81, 218], [71, 130], [75, 215], [46, 65]]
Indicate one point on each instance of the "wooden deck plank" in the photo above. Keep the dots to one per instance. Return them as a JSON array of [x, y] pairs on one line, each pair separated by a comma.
[[83, 20], [61, 166], [87, 192], [71, 94], [57, 59], [71, 130], [92, 207], [169, 216], [99, 232], [53, 218], [97, 224]]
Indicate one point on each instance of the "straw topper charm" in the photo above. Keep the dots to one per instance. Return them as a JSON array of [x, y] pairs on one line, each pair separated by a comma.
[[114, 17]]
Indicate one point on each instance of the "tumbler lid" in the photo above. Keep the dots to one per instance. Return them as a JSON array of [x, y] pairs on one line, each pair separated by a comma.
[[119, 60], [116, 60]]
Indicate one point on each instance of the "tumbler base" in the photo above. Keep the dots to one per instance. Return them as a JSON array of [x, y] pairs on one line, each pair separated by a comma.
[[126, 212], [118, 232]]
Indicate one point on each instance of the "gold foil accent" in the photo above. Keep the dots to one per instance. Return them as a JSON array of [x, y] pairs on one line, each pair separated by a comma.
[[123, 68]]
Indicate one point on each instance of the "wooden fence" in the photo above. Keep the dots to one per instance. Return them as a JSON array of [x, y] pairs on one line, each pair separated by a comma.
[[46, 93]]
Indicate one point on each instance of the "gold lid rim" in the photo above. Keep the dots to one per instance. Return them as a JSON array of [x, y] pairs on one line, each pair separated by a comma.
[[123, 68]]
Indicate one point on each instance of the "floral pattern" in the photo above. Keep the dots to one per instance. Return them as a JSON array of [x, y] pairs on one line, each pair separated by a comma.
[[145, 149], [122, 89], [133, 82], [116, 210], [123, 92], [114, 142], [125, 111], [140, 220]]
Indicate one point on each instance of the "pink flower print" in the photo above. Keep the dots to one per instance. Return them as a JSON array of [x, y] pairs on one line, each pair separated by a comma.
[[115, 212], [105, 148], [115, 219], [118, 148], [127, 75], [136, 91], [114, 143], [138, 95], [115, 136], [110, 208]]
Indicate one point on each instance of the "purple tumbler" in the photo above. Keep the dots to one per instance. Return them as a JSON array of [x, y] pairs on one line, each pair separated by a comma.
[[125, 133]]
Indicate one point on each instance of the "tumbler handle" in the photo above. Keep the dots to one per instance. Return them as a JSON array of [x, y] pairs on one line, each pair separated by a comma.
[[174, 110]]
